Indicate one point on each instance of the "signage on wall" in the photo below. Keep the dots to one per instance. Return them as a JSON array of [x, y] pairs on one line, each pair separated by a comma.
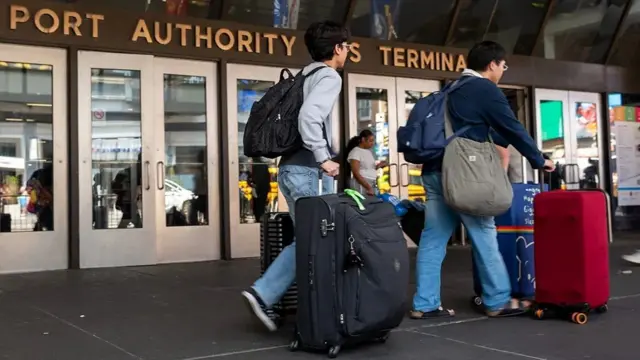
[[78, 24]]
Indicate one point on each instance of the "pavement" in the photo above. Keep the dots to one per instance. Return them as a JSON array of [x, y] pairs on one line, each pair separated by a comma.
[[193, 312]]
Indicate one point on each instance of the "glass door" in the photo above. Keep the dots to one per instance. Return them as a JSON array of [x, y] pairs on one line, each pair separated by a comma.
[[33, 159], [186, 182], [372, 106], [117, 159], [569, 132], [254, 180], [409, 91], [587, 140], [553, 128]]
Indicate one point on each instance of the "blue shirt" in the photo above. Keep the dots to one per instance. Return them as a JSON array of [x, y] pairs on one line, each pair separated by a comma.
[[481, 104]]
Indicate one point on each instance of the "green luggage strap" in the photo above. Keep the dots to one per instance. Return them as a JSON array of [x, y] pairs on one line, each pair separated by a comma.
[[356, 196]]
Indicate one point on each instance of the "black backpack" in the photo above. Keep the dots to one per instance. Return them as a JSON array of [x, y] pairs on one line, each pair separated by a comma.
[[272, 129]]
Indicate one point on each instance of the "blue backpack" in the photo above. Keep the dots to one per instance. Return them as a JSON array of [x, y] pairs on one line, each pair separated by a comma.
[[422, 140]]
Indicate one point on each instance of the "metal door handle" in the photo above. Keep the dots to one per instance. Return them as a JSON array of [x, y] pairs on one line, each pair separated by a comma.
[[146, 168], [404, 172], [160, 170], [391, 166]]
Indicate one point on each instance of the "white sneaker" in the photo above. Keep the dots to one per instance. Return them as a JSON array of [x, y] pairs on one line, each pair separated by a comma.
[[633, 258], [256, 306]]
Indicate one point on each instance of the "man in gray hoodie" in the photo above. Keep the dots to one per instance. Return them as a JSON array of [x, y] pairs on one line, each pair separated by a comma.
[[298, 173]]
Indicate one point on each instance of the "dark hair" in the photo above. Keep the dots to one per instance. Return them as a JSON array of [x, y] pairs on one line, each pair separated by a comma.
[[322, 37], [356, 140], [483, 54]]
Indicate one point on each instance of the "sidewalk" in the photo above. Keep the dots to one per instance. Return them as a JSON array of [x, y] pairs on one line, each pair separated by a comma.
[[193, 311]]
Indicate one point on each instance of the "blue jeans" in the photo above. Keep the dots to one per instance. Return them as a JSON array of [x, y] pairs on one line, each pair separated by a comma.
[[440, 222], [294, 182]]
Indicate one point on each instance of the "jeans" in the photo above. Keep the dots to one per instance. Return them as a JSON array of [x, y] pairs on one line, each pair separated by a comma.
[[440, 222], [294, 182]]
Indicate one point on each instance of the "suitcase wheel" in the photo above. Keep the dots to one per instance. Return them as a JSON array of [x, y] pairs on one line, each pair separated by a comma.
[[602, 309], [383, 339], [579, 318], [333, 351], [294, 345], [477, 300]]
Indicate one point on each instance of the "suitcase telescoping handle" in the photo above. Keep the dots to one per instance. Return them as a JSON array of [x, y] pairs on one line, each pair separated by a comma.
[[320, 183]]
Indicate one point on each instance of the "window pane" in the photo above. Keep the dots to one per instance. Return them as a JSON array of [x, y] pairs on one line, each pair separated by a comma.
[[515, 25], [116, 149], [26, 147], [552, 126], [373, 114], [580, 30], [624, 117], [473, 19], [586, 115], [625, 53], [190, 8], [258, 182], [414, 172], [402, 21], [288, 14], [185, 141]]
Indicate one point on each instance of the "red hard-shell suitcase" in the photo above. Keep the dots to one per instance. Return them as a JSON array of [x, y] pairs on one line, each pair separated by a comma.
[[572, 230]]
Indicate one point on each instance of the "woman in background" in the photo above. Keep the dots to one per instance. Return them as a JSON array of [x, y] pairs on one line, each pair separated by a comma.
[[362, 162]]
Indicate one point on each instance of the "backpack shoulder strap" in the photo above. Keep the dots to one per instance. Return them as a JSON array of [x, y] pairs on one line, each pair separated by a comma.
[[457, 84], [314, 71]]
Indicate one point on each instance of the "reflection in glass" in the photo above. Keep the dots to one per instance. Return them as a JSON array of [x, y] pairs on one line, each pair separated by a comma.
[[586, 117], [116, 148], [185, 140], [552, 125], [26, 147], [624, 118], [373, 114], [288, 14], [414, 172], [258, 177], [580, 30], [625, 50], [515, 24], [401, 21], [189, 8]]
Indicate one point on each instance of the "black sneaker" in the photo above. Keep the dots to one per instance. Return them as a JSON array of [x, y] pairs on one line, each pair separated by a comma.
[[257, 308]]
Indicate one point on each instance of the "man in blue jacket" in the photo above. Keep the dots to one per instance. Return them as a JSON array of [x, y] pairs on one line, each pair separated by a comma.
[[481, 104]]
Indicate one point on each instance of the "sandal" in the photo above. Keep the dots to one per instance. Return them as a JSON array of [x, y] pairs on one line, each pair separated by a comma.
[[513, 308], [438, 313]]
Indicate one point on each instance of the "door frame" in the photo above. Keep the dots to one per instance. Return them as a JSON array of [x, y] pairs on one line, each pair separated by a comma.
[[44, 250], [377, 82], [568, 99], [244, 238], [116, 247], [595, 98], [402, 85], [187, 243]]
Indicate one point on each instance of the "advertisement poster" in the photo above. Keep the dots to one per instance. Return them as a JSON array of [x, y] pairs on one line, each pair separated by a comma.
[[627, 135], [587, 118], [285, 13], [384, 19]]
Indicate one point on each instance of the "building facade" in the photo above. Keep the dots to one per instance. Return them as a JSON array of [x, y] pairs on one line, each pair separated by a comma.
[[121, 122]]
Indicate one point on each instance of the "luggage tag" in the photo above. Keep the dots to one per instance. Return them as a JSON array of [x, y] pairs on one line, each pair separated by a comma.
[[356, 196], [353, 259]]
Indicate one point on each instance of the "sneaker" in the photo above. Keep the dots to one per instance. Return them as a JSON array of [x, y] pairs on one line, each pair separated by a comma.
[[257, 308], [633, 258]]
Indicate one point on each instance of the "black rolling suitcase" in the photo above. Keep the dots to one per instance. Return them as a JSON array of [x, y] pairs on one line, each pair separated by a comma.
[[276, 233], [352, 271]]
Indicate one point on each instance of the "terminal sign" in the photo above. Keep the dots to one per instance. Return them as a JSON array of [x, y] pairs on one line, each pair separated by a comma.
[[75, 24]]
